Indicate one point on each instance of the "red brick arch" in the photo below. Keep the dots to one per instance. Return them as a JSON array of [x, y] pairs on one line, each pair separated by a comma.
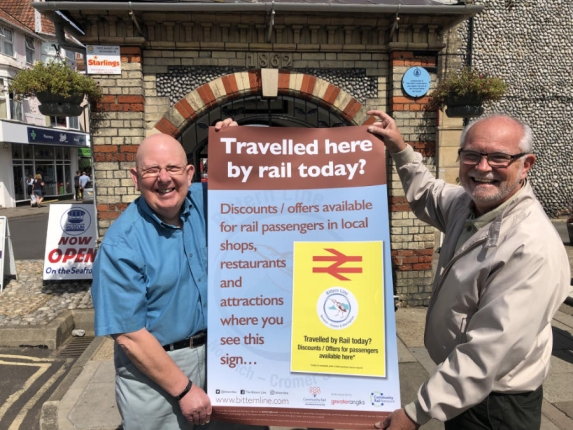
[[247, 83]]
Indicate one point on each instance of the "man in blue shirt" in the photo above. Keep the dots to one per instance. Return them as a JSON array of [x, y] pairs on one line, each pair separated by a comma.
[[150, 292], [83, 180]]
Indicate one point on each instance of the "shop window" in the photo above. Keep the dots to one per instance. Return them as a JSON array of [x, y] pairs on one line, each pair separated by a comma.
[[28, 152], [30, 50], [6, 42], [17, 151], [43, 152]]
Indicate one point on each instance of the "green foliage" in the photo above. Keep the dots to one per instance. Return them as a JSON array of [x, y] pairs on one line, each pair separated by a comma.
[[55, 77], [467, 82]]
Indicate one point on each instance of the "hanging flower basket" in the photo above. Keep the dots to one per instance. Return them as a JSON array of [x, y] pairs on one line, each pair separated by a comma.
[[57, 105], [466, 106], [59, 88], [464, 93]]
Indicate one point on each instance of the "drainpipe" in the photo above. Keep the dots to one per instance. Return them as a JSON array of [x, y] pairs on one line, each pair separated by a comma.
[[59, 26], [470, 41], [470, 49]]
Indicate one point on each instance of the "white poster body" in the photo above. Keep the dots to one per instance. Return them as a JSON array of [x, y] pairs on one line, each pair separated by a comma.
[[7, 262], [263, 210], [70, 242], [103, 60]]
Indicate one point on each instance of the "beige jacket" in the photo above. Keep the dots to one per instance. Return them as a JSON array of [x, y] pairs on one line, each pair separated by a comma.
[[488, 325]]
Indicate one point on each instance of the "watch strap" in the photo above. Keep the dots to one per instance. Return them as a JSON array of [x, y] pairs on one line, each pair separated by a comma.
[[186, 390]]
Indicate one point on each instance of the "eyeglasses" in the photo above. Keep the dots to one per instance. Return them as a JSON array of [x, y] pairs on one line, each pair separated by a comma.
[[155, 171], [494, 159]]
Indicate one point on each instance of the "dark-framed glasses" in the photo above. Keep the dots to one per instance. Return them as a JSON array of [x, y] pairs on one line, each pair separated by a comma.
[[155, 171], [494, 159]]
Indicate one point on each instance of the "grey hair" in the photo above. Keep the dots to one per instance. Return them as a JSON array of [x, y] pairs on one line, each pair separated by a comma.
[[526, 141]]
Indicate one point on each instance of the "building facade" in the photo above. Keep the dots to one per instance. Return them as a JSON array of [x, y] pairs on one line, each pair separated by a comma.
[[187, 65], [31, 143]]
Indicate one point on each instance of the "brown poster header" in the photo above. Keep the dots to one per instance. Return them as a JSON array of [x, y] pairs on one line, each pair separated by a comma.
[[282, 158]]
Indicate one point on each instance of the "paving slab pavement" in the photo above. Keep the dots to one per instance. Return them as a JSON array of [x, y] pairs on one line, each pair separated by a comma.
[[89, 402]]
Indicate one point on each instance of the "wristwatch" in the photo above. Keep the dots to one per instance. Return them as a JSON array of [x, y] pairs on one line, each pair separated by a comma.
[[185, 391]]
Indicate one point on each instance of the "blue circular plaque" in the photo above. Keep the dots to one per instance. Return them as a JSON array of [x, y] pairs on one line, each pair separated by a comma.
[[416, 82]]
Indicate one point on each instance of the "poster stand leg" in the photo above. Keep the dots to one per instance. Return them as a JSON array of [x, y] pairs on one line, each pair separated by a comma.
[[7, 262]]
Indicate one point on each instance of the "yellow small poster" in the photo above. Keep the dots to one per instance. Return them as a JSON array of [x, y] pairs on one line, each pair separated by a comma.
[[338, 308]]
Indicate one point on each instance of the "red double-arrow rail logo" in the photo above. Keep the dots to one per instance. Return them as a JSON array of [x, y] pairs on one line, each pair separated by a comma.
[[339, 259]]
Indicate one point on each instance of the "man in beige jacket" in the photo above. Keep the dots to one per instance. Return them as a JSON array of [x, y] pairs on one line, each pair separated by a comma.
[[501, 276]]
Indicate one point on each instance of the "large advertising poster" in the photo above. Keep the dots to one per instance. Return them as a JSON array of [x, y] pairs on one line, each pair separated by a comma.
[[301, 312]]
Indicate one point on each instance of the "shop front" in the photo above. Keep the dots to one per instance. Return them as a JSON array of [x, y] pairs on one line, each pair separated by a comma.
[[29, 150]]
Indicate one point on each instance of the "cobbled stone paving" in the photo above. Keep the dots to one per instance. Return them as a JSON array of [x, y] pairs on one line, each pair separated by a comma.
[[32, 301]]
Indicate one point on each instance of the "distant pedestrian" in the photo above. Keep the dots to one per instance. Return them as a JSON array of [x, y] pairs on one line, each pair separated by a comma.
[[77, 190], [38, 188], [30, 190], [84, 179]]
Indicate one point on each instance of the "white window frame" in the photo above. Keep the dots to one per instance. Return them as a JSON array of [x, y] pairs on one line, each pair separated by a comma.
[[7, 41], [71, 59], [5, 97], [72, 122], [14, 108], [30, 49]]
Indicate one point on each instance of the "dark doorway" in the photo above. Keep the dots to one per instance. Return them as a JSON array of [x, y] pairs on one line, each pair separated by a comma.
[[282, 111]]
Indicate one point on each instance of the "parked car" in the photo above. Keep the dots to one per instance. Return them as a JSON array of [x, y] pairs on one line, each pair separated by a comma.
[[88, 193]]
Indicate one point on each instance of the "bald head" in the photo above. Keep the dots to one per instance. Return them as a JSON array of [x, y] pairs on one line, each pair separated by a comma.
[[162, 143], [162, 176]]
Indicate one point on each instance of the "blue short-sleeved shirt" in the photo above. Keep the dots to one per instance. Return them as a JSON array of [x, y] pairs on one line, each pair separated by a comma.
[[150, 274]]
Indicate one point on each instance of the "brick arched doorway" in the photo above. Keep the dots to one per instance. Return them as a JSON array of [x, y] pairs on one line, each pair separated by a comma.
[[302, 101]]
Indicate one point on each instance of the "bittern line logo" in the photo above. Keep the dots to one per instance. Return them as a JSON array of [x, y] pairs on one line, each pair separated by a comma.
[[339, 259], [337, 308]]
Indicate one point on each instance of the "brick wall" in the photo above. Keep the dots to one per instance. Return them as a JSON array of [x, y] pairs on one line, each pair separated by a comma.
[[118, 130], [412, 240], [133, 109]]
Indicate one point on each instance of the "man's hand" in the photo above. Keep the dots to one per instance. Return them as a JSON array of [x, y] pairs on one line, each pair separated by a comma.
[[196, 406], [386, 129], [227, 122], [397, 420]]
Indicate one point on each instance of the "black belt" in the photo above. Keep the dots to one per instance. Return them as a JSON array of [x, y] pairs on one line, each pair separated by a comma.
[[192, 342]]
